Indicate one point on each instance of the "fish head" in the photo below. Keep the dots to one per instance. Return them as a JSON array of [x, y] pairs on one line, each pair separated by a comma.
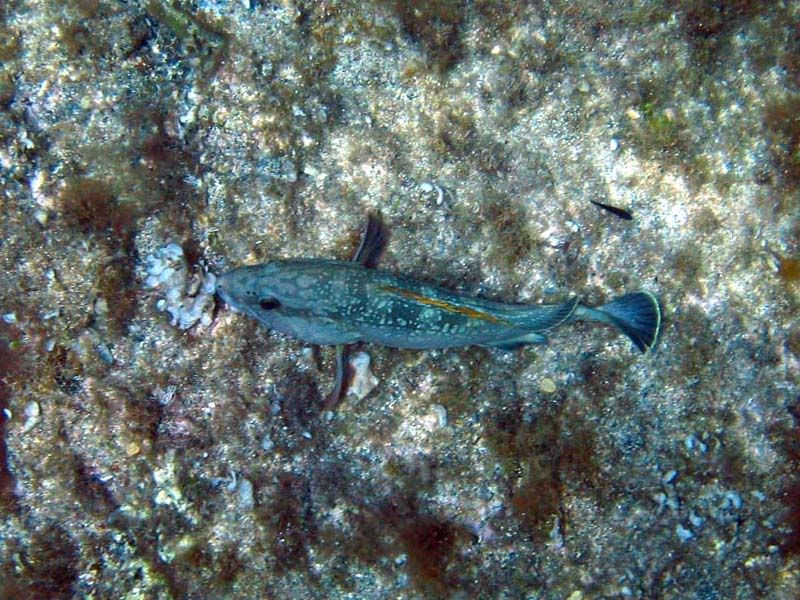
[[255, 290], [291, 297]]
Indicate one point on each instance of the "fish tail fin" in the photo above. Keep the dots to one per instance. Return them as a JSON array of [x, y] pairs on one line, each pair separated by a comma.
[[637, 315]]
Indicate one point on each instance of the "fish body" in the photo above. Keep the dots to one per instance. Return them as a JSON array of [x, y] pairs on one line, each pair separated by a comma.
[[342, 302], [614, 210]]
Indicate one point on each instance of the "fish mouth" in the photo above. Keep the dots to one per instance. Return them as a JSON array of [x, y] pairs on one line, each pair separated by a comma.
[[221, 291]]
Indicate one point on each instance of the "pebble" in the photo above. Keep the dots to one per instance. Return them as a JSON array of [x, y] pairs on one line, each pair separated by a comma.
[[696, 520], [32, 409], [41, 216], [232, 481], [364, 381], [673, 503], [244, 494], [633, 114], [105, 353], [732, 500], [683, 534], [692, 442], [100, 307], [428, 187], [441, 415], [547, 385], [31, 412]]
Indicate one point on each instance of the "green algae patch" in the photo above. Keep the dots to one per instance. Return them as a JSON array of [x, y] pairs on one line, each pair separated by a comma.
[[660, 129]]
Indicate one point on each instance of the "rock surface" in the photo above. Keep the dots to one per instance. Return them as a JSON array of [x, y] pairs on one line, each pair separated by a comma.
[[138, 459]]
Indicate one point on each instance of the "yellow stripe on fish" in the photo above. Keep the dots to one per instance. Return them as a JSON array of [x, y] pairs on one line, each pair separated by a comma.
[[453, 308]]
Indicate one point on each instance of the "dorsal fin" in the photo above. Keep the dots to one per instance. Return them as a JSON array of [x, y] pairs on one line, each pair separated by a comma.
[[373, 241]]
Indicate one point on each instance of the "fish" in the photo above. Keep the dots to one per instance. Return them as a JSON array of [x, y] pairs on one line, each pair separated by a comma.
[[336, 302], [619, 212]]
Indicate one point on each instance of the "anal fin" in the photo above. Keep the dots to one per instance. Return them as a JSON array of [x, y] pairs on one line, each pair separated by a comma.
[[516, 342]]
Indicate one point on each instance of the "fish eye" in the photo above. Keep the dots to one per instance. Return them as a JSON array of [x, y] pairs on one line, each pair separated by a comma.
[[269, 303]]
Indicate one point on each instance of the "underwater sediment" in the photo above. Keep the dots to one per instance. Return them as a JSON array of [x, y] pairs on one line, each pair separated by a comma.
[[158, 445]]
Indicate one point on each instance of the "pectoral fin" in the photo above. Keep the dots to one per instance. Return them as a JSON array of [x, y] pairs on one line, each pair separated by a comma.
[[341, 378]]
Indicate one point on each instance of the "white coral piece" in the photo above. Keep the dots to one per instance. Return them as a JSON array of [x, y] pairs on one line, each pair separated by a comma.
[[188, 299], [364, 381]]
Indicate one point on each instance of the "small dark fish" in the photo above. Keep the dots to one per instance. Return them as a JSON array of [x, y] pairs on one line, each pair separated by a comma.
[[620, 212]]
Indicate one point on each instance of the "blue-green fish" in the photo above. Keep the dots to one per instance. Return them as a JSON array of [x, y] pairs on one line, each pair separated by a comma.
[[339, 302], [343, 302]]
